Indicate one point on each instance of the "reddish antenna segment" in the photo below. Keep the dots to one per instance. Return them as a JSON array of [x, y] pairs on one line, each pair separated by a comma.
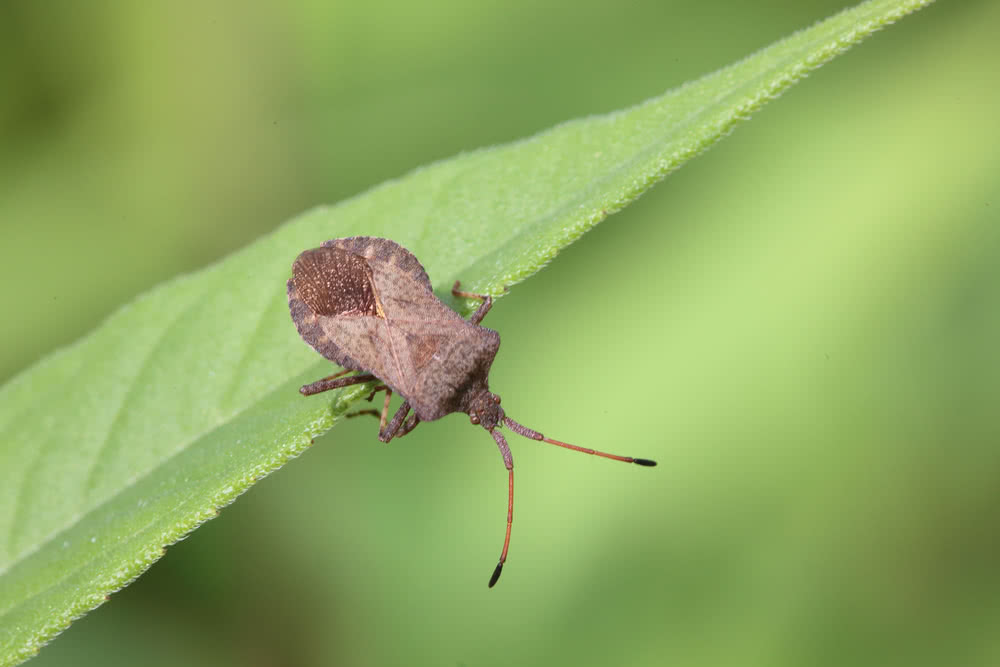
[[508, 461]]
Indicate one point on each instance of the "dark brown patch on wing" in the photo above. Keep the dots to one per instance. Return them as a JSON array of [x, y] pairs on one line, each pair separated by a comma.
[[383, 250], [333, 282]]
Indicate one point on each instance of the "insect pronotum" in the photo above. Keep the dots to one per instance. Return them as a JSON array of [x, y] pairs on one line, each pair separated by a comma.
[[366, 304]]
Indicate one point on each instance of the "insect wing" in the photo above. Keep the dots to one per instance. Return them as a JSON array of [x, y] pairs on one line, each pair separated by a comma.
[[373, 312], [413, 325]]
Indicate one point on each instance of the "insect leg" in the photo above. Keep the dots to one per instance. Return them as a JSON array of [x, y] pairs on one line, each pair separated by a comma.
[[331, 382], [396, 428], [484, 308], [374, 413], [508, 461], [385, 411], [376, 390], [410, 424], [389, 432]]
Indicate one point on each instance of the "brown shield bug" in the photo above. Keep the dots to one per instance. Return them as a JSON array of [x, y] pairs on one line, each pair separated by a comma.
[[366, 304]]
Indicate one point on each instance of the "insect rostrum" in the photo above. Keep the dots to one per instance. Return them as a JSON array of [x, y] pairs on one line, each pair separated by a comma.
[[366, 303]]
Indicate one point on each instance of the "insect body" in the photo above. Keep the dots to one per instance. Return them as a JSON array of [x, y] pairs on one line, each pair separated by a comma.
[[366, 303]]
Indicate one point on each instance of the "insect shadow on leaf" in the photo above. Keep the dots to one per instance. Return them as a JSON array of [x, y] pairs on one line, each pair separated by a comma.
[[367, 304]]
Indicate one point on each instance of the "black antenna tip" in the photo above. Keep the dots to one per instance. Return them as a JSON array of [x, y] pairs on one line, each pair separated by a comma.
[[644, 462], [496, 574]]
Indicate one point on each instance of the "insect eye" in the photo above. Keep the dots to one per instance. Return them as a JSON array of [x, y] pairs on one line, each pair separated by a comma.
[[496, 399], [474, 418]]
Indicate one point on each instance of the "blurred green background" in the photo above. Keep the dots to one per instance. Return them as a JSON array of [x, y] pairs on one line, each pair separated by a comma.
[[802, 326]]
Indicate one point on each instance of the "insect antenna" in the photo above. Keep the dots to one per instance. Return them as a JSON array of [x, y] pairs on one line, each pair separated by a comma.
[[509, 463], [535, 435]]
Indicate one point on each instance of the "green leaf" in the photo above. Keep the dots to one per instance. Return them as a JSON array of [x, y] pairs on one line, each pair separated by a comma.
[[126, 441]]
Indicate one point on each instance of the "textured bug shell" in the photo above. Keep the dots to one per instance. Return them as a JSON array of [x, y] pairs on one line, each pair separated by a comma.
[[366, 303]]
